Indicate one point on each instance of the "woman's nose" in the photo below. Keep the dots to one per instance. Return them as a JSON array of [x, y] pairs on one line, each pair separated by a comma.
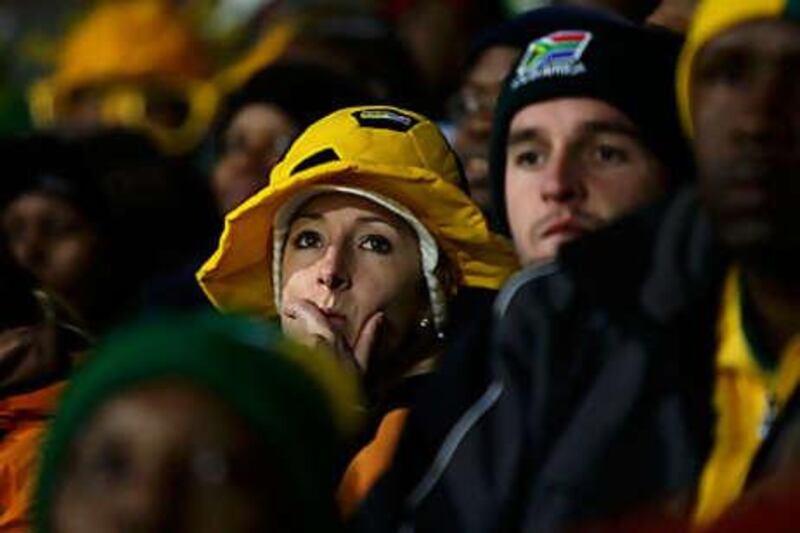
[[333, 270]]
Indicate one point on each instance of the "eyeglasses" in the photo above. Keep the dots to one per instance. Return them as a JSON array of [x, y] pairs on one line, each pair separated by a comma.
[[472, 101]]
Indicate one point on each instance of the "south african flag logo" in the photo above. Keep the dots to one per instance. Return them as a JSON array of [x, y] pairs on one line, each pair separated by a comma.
[[558, 53]]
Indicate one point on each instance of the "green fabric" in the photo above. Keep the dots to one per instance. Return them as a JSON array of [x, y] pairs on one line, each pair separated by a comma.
[[14, 117], [247, 364]]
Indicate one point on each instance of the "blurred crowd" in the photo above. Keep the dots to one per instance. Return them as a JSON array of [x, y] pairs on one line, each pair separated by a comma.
[[399, 265]]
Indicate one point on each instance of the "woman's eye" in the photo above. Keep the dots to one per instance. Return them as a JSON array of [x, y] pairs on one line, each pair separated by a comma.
[[376, 243], [606, 153], [307, 239]]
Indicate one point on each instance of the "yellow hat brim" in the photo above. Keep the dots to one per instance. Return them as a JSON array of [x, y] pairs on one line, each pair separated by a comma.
[[237, 277]]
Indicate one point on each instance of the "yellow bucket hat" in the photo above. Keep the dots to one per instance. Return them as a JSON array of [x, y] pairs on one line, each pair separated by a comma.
[[711, 18], [386, 152]]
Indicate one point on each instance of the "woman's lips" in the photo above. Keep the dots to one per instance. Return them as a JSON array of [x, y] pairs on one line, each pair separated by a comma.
[[337, 320]]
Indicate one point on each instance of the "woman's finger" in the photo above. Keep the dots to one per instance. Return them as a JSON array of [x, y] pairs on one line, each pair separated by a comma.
[[368, 340], [306, 324]]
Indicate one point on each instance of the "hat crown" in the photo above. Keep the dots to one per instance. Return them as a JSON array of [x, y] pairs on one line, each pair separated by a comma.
[[371, 136]]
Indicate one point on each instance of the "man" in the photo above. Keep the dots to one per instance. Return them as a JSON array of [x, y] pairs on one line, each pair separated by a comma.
[[598, 123], [658, 366], [585, 131]]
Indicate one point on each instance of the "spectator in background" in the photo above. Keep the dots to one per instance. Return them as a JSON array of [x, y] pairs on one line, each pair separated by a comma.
[[56, 225], [262, 118], [360, 244], [86, 220], [491, 57], [193, 424]]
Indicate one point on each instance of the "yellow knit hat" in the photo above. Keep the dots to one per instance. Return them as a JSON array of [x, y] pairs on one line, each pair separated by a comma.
[[385, 151], [711, 18]]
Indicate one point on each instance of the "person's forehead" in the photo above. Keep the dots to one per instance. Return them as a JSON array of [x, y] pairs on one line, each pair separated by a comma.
[[38, 202], [779, 38], [167, 408], [336, 206], [567, 113], [259, 115]]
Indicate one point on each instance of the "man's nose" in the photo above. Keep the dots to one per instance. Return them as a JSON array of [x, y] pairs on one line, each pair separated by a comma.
[[763, 117], [563, 180]]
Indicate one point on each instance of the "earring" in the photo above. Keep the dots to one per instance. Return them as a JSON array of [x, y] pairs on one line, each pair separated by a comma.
[[426, 323]]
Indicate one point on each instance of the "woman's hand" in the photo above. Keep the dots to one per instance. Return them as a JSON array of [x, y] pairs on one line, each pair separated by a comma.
[[305, 323]]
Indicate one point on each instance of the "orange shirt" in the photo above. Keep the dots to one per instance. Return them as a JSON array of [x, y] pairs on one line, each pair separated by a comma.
[[370, 462], [23, 419]]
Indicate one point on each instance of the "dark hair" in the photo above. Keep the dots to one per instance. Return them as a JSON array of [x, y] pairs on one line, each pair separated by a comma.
[[304, 91]]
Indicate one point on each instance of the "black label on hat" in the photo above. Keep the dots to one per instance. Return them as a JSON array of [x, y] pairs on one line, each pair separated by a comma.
[[386, 119], [318, 158]]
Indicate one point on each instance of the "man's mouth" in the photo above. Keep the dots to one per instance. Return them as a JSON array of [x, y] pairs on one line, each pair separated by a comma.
[[746, 194], [570, 227]]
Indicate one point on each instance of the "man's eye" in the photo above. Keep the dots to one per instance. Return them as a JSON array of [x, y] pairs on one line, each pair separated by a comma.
[[376, 243], [610, 154], [528, 158], [727, 70], [307, 239]]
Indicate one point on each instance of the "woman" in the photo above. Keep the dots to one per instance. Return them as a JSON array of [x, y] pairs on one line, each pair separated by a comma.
[[193, 424], [359, 242]]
